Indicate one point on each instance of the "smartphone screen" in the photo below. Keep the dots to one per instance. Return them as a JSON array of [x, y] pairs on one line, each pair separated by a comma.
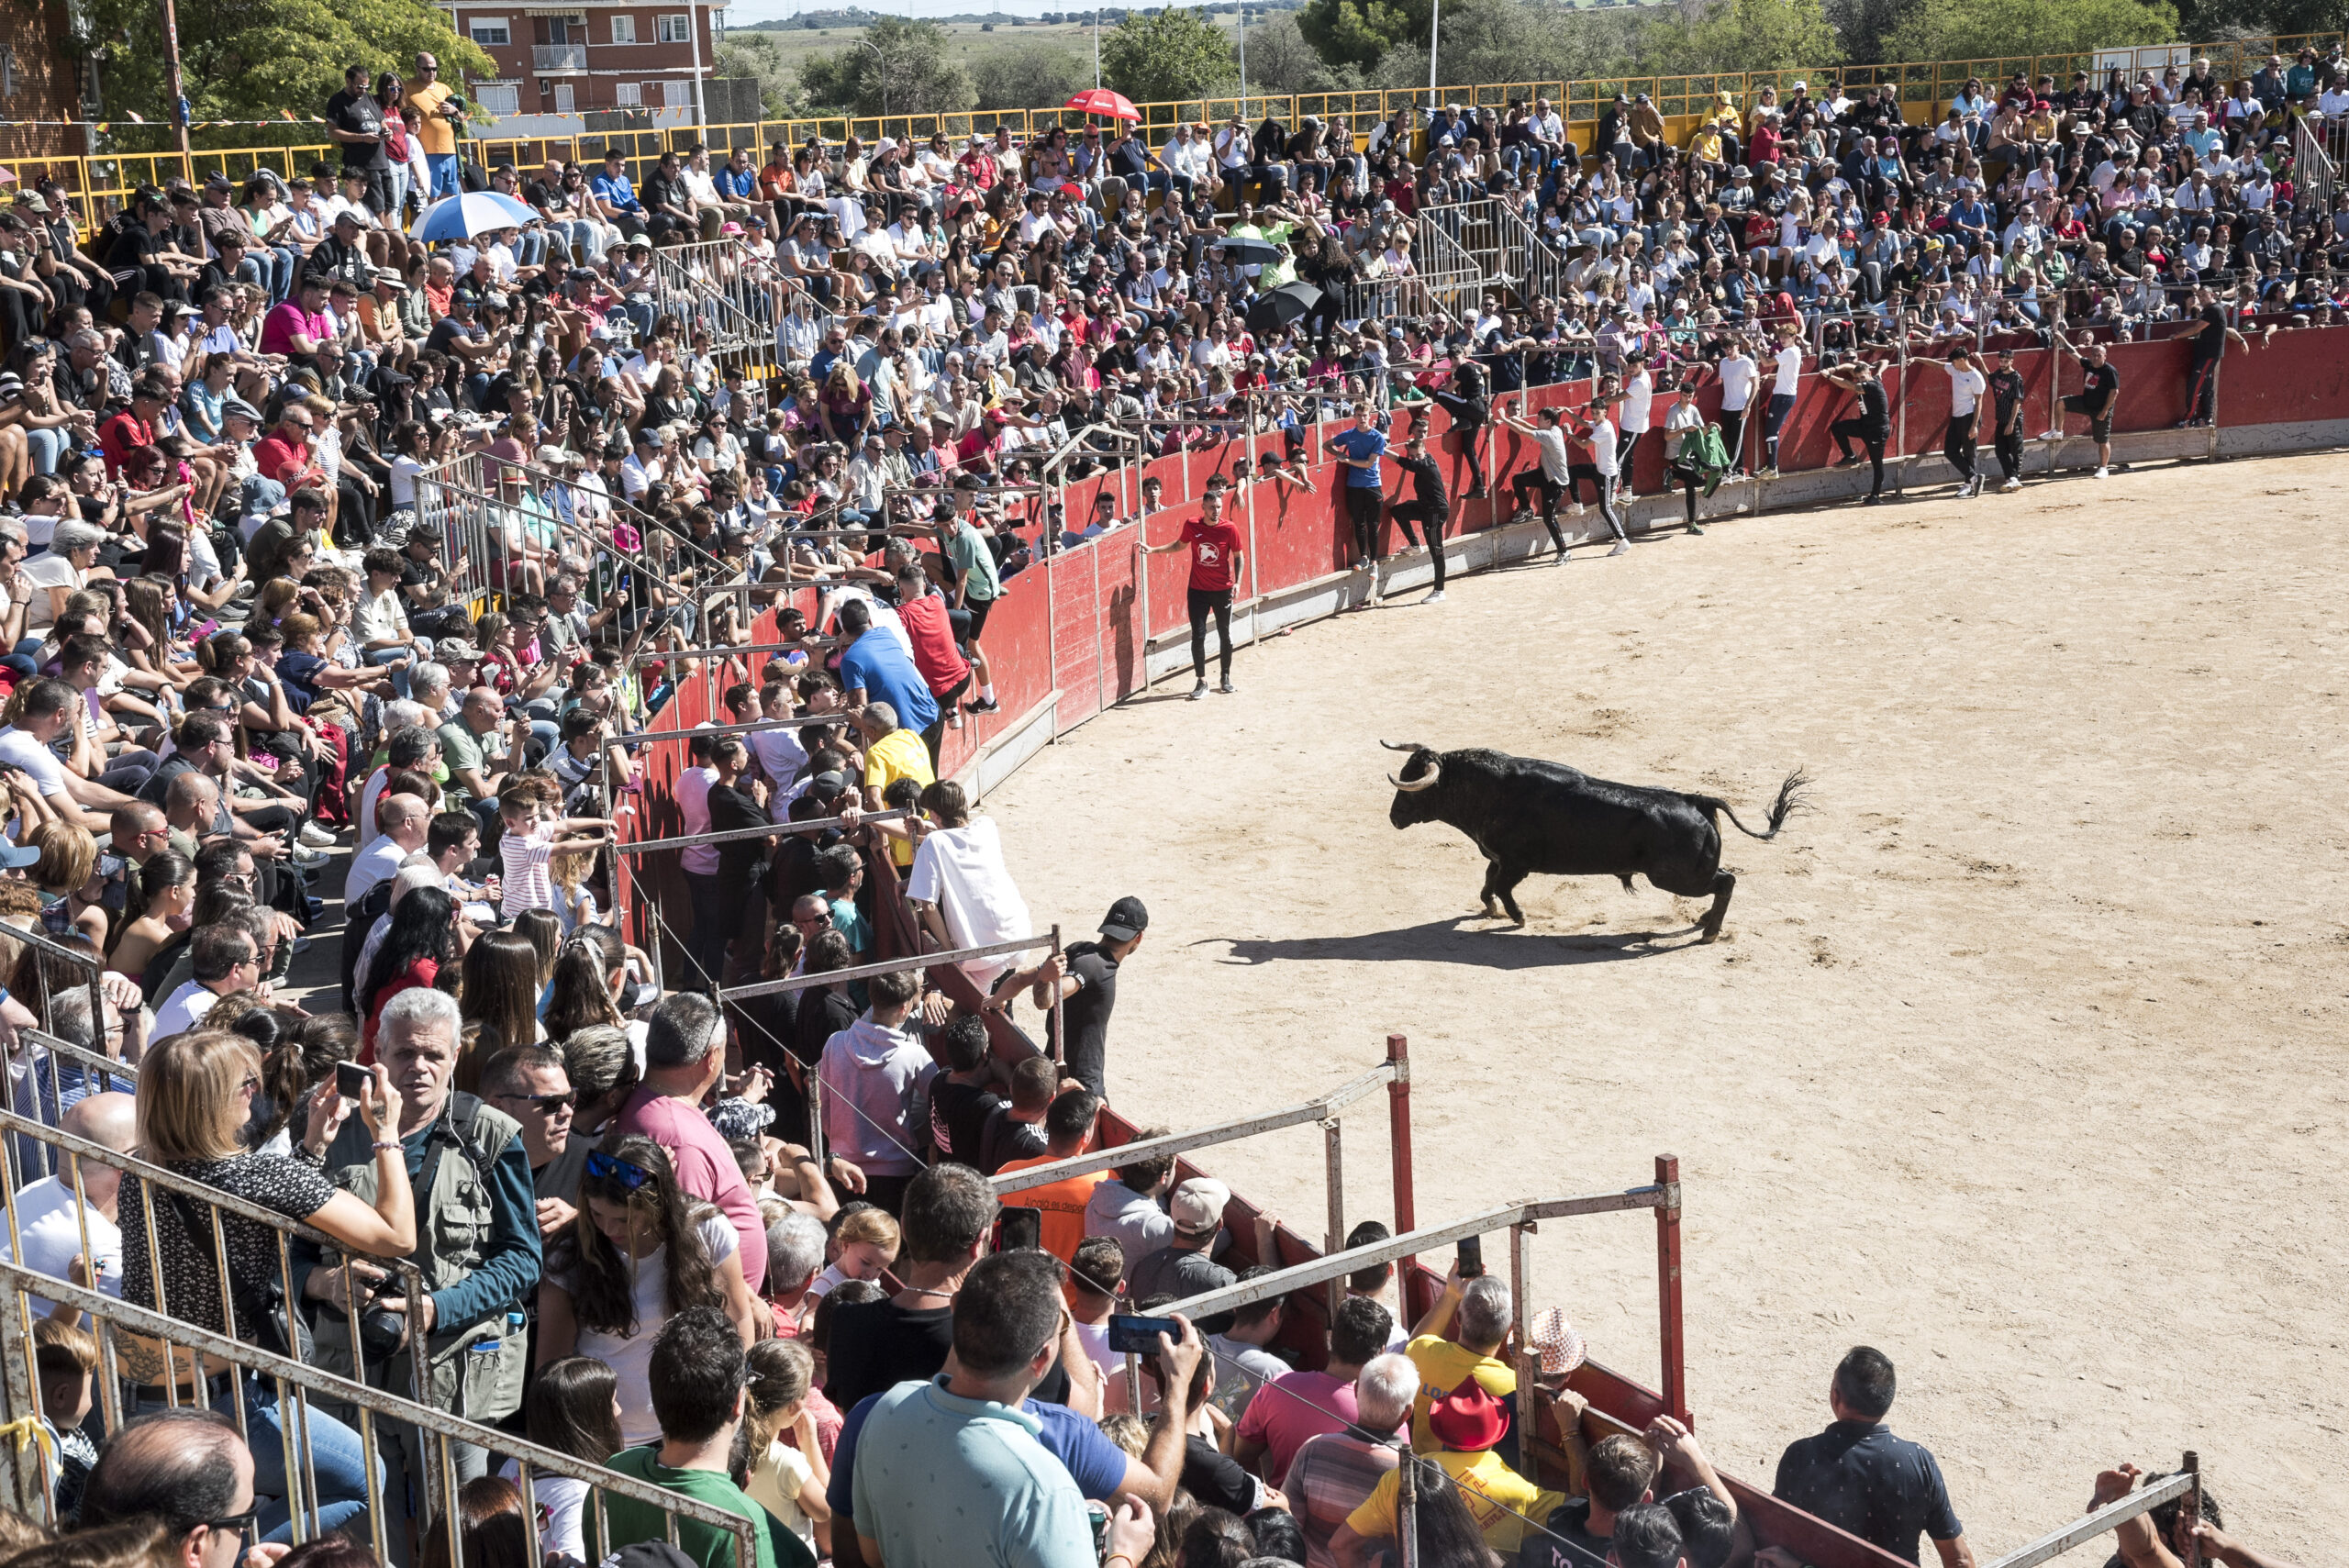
[[1139, 1335]]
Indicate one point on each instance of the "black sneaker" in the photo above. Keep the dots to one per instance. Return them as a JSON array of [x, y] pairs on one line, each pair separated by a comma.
[[985, 705]]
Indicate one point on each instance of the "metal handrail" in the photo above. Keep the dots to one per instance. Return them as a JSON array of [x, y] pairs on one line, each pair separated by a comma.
[[1500, 1217], [734, 835], [1315, 1110], [2056, 1542], [887, 966], [366, 1397]]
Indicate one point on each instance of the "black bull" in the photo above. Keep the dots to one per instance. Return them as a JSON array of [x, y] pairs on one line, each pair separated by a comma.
[[1527, 816]]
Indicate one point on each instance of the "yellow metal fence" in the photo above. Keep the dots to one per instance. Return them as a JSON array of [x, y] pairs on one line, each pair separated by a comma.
[[109, 177]]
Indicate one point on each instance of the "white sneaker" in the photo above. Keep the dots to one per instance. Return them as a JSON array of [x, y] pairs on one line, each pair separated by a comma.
[[1621, 548], [1199, 692], [2011, 485], [2051, 435], [1434, 598], [2104, 474], [316, 837]]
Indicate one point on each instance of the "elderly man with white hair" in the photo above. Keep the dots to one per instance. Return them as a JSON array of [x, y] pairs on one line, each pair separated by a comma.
[[477, 1236], [1335, 1473]]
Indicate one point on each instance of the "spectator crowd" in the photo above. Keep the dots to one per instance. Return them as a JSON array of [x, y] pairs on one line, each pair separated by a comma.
[[326, 543]]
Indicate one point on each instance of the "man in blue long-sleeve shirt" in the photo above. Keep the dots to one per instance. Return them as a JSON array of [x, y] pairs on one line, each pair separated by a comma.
[[477, 1238]]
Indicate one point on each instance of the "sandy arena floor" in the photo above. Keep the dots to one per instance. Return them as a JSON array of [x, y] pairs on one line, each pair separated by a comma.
[[2021, 1058]]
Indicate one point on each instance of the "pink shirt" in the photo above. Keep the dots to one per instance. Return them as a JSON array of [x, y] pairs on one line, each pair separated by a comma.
[[706, 1168], [1288, 1410]]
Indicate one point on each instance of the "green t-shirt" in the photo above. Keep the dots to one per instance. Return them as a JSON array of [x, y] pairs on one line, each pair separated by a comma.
[[459, 751], [973, 561], [632, 1521]]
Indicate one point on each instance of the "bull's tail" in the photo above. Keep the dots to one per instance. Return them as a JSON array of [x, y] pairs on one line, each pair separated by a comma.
[[1792, 798]]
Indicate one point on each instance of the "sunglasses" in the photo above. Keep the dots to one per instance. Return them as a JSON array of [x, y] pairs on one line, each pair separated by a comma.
[[245, 1526], [547, 1105], [612, 1168]]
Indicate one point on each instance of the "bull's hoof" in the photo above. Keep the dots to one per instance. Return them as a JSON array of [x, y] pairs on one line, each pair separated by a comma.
[[1712, 934], [1489, 912]]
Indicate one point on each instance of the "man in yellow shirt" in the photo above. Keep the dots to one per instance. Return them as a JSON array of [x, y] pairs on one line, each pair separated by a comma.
[[891, 753], [1483, 1309], [1504, 1504], [439, 112]]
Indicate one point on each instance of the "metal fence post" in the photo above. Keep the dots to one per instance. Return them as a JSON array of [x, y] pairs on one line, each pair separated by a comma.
[[1671, 1343], [27, 1483], [1334, 1184], [2190, 1508], [1520, 1283], [1407, 1507]]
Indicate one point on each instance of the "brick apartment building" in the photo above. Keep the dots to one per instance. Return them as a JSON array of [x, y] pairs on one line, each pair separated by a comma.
[[594, 55], [41, 79]]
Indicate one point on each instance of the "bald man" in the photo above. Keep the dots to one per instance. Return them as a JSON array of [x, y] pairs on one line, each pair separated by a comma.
[[402, 824], [59, 1230], [188, 1470], [139, 831], [192, 811]]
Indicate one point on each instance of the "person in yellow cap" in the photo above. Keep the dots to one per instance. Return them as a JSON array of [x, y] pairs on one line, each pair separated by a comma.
[[1466, 1422]]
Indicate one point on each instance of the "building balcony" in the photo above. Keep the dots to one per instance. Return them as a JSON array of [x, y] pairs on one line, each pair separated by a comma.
[[558, 57]]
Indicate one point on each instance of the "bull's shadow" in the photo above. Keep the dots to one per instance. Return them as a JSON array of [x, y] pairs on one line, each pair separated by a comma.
[[1462, 939]]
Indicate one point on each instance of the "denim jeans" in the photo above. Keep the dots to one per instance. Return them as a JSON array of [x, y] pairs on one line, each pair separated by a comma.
[[443, 166], [282, 262], [382, 656], [531, 249], [47, 446]]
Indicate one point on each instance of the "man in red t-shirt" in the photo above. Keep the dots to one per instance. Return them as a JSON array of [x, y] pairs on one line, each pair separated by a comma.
[[134, 427], [929, 627], [1218, 552]]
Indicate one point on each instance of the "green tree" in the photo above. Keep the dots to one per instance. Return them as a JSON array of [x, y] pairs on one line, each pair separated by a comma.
[[1027, 78], [1359, 32], [899, 67], [1172, 55], [253, 59], [1969, 30], [1281, 60], [1504, 40], [758, 56], [1743, 35]]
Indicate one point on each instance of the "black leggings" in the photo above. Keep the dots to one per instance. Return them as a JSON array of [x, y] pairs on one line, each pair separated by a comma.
[[1603, 484], [2007, 447], [1202, 600], [1365, 503], [1468, 424], [1846, 431], [1690, 477], [1958, 444], [1733, 437], [1535, 478], [1429, 516]]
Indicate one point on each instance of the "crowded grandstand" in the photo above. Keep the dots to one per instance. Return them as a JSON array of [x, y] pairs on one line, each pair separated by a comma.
[[645, 550]]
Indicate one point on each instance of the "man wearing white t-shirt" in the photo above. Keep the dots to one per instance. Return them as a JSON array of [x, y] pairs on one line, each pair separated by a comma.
[[1787, 367], [1603, 470], [1639, 410], [223, 959], [56, 1227], [961, 890], [1967, 384], [1552, 473], [1738, 375]]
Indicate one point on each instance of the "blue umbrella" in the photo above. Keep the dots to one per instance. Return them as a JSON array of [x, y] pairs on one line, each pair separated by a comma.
[[474, 213]]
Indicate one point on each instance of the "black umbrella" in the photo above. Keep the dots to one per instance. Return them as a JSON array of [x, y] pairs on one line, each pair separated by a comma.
[[1289, 303], [1247, 252]]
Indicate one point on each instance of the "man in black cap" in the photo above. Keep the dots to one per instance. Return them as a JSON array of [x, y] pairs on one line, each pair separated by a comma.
[[1087, 978]]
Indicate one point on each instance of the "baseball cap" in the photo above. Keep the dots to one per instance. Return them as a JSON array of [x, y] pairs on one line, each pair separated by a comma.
[[456, 651], [1199, 1205], [17, 857]]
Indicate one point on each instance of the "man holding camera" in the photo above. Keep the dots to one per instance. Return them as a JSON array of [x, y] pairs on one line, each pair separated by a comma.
[[477, 1244]]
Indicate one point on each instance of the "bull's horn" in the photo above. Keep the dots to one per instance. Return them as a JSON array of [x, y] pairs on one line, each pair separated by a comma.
[[1414, 745], [1413, 786]]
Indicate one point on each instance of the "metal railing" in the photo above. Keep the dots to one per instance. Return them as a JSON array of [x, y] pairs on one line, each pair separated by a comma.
[[2187, 1483], [29, 1484]]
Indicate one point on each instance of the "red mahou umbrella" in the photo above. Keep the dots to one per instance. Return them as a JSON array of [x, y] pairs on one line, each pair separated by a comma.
[[1101, 100]]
